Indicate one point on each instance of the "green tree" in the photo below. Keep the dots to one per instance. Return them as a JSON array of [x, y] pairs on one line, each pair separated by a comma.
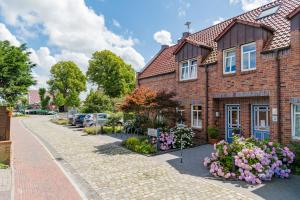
[[15, 72], [97, 102], [45, 99], [111, 73], [66, 83]]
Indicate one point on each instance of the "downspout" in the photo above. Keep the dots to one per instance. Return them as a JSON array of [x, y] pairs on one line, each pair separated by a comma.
[[278, 90], [206, 101]]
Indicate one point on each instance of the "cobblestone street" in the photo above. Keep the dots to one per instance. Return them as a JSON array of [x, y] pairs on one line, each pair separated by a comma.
[[104, 170]]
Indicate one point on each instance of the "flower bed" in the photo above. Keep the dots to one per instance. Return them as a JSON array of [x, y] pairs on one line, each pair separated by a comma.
[[172, 139], [250, 160]]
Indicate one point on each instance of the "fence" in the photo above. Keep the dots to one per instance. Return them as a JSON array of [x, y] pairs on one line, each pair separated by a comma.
[[5, 143]]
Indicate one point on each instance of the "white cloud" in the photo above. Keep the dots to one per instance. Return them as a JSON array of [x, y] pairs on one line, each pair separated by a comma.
[[248, 5], [5, 34], [183, 7], [71, 26], [116, 23], [219, 20], [163, 37]]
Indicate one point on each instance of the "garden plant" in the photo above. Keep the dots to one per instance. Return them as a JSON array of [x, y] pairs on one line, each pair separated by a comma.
[[250, 160]]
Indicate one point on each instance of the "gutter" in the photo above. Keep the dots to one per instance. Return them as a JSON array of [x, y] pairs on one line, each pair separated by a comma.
[[278, 90], [206, 101]]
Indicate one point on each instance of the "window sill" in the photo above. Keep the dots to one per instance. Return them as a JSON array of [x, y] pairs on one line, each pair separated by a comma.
[[229, 74], [197, 128], [248, 72], [188, 80]]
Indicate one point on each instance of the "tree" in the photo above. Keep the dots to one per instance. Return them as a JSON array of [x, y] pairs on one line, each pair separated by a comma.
[[154, 106], [97, 102], [15, 72], [45, 99], [66, 83], [111, 73]]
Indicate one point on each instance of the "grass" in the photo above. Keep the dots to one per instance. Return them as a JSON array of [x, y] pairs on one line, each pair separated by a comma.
[[60, 121], [3, 166], [106, 130]]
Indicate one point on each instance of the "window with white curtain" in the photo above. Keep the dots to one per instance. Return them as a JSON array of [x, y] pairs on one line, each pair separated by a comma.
[[188, 70]]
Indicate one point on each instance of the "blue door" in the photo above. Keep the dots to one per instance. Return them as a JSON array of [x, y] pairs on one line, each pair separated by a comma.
[[232, 121], [260, 122]]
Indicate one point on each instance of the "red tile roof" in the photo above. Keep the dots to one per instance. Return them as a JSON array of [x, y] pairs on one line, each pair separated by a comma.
[[164, 62], [295, 12]]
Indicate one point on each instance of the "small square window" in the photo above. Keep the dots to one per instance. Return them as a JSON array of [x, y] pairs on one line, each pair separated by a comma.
[[296, 121]]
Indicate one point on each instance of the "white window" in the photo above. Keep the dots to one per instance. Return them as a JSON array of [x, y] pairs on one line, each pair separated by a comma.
[[188, 70], [248, 52], [229, 61], [296, 121], [196, 116]]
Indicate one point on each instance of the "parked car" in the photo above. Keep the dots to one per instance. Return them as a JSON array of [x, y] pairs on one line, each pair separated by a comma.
[[89, 120], [74, 118], [79, 120], [101, 119], [71, 115]]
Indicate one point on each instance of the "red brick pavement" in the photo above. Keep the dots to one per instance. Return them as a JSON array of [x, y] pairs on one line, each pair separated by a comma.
[[36, 175]]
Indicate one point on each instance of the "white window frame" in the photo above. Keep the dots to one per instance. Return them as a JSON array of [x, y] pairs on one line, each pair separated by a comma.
[[199, 112], [248, 54], [293, 113], [189, 70], [231, 58]]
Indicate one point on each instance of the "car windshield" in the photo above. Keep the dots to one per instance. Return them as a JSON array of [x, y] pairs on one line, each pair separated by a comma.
[[101, 115]]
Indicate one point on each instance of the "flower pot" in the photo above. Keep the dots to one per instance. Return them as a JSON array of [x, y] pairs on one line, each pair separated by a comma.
[[213, 141]]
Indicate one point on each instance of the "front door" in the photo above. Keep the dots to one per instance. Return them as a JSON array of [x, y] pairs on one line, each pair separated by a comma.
[[260, 122], [232, 121]]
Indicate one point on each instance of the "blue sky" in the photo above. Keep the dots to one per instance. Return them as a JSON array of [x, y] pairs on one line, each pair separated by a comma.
[[57, 30]]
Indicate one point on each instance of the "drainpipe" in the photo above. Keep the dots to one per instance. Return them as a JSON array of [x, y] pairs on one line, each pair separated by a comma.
[[206, 101], [278, 90]]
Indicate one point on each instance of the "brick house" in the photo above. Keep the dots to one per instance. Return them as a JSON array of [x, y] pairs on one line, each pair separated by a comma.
[[241, 74]]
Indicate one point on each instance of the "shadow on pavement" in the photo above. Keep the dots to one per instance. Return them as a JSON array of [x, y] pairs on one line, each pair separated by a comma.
[[111, 149]]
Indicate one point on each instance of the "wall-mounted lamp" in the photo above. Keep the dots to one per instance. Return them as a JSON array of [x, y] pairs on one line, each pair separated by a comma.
[[217, 114]]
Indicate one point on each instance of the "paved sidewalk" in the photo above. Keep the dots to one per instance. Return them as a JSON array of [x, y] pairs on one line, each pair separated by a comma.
[[36, 175], [105, 170], [5, 184]]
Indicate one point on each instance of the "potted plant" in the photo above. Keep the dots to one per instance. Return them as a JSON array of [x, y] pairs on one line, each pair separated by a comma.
[[213, 134]]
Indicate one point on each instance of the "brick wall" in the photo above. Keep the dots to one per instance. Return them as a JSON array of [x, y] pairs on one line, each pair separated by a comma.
[[263, 79]]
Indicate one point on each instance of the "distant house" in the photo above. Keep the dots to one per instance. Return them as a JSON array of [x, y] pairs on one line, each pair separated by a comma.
[[34, 100]]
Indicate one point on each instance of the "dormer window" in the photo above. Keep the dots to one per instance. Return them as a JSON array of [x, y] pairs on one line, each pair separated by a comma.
[[248, 52], [229, 61], [188, 70], [268, 12]]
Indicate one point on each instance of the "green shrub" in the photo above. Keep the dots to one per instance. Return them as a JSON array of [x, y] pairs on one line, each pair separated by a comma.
[[107, 129], [60, 121], [131, 142], [3, 166], [213, 132], [93, 130], [186, 134], [296, 165], [139, 145]]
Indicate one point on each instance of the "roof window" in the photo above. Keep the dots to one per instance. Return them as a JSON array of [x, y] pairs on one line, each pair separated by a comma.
[[268, 12]]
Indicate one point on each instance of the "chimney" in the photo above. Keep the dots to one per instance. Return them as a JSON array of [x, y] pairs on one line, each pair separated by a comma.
[[184, 35], [164, 46]]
